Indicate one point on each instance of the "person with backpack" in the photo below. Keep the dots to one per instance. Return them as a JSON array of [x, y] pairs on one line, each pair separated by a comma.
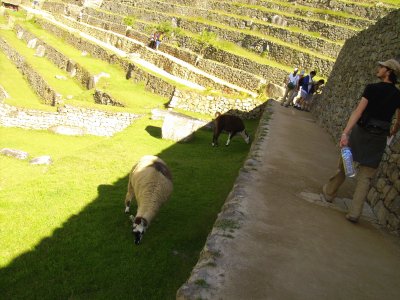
[[291, 83], [366, 134]]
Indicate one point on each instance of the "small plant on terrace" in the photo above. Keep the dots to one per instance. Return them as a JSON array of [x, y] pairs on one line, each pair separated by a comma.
[[129, 21]]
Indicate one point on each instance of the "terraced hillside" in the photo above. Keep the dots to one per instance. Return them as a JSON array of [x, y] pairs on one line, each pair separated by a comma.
[[86, 66]]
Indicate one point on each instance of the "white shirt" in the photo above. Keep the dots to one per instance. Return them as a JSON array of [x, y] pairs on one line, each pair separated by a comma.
[[293, 78]]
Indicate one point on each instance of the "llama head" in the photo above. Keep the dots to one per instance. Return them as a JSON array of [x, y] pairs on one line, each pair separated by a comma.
[[139, 226]]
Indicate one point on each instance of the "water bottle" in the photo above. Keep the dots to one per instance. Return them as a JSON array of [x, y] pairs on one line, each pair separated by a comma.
[[347, 158]]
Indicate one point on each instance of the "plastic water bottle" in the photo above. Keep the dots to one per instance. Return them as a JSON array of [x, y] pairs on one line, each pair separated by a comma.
[[347, 158]]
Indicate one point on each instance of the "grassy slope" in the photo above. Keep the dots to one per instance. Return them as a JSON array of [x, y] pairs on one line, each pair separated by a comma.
[[63, 231], [18, 87]]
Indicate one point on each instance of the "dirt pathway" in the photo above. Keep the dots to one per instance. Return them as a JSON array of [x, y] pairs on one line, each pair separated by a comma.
[[290, 248]]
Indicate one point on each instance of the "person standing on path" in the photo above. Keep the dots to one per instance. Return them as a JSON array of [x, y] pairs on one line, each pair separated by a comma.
[[291, 83], [366, 133], [305, 90]]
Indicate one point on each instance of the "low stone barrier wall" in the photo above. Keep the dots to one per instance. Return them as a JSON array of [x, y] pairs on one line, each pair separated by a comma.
[[205, 277], [91, 121], [45, 91], [354, 68], [248, 108]]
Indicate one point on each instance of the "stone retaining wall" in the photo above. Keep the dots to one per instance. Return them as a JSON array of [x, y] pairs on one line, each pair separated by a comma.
[[130, 46], [39, 85], [152, 83], [372, 12], [209, 59], [277, 52], [206, 277], [91, 121], [334, 32], [354, 68], [305, 41], [248, 108], [60, 60], [158, 85]]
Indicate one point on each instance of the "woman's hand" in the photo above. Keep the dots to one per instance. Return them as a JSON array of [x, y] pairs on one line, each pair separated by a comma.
[[344, 140]]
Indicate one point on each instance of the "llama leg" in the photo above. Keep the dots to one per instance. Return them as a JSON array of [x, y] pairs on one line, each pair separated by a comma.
[[229, 139], [129, 195], [245, 136], [215, 138]]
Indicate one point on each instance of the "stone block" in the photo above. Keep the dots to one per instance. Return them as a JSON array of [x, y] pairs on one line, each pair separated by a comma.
[[32, 43], [275, 91], [390, 196], [180, 128], [40, 51], [19, 154], [68, 130], [41, 160], [20, 34]]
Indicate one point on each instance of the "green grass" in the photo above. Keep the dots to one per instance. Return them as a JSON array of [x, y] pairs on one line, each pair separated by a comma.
[[17, 87], [62, 227], [48, 70], [117, 86]]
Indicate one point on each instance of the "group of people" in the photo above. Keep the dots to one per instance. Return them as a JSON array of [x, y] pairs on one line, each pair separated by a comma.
[[367, 130], [300, 88], [156, 39]]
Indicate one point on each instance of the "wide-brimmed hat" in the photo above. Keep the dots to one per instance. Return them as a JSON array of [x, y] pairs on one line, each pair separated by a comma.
[[392, 64]]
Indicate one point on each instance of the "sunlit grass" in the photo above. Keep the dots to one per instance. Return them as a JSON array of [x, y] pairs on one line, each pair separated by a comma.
[[62, 227], [17, 87], [47, 70]]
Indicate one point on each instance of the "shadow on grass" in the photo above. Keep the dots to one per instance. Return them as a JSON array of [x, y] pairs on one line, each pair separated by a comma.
[[93, 255], [154, 131]]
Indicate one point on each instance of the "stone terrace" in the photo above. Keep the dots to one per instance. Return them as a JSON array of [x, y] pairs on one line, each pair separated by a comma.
[[251, 26]]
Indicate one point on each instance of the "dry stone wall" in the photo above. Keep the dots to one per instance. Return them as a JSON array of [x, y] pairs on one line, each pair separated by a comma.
[[354, 68], [45, 91], [60, 60], [157, 85], [305, 41], [248, 108], [372, 12], [90, 121], [233, 75], [277, 52]]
